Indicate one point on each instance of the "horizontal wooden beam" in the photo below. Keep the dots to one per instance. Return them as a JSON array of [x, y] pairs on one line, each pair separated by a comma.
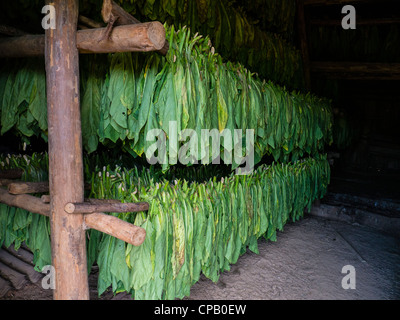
[[28, 187], [22, 187], [106, 207], [11, 31], [5, 182], [102, 222], [357, 71], [338, 23], [11, 174], [24, 201], [46, 199], [90, 23], [115, 227], [114, 15], [143, 37], [112, 11], [336, 2]]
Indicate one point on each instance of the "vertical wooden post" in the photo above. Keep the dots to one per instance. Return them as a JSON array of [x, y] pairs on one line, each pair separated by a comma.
[[302, 31], [65, 153]]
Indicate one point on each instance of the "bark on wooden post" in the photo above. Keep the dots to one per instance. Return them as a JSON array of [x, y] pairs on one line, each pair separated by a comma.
[[65, 153]]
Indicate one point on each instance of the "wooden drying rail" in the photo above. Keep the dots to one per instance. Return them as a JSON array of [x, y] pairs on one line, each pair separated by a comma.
[[88, 207], [21, 187], [335, 2], [114, 15], [11, 174], [338, 22], [104, 223], [143, 37], [357, 70]]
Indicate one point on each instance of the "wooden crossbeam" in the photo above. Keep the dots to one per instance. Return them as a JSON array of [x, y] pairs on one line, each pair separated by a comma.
[[143, 37], [115, 227], [114, 15], [24, 201], [357, 70], [106, 207], [46, 199], [22, 187], [89, 22], [338, 22], [28, 187], [11, 174], [336, 2], [99, 221], [11, 31], [112, 11]]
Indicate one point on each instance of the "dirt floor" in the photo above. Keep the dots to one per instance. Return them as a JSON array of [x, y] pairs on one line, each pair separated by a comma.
[[304, 264]]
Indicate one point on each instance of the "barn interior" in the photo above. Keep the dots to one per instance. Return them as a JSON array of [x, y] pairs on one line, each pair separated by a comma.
[[357, 70]]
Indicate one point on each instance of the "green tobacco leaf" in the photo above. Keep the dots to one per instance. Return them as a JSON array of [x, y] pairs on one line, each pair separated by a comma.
[[90, 110], [121, 91], [118, 267], [38, 103], [104, 261], [178, 253], [140, 257]]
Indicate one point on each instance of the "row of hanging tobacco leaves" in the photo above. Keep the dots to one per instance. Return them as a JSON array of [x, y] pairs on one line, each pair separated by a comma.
[[258, 45], [192, 228], [278, 16], [125, 95]]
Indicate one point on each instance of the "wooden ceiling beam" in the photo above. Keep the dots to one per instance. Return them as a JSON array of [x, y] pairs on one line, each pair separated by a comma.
[[336, 2], [338, 22], [357, 70]]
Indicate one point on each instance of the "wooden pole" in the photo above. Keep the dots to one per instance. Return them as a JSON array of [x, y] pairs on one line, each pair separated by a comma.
[[111, 11], [24, 201], [11, 31], [143, 37], [11, 174], [74, 208], [28, 187], [357, 70], [360, 22], [46, 199], [89, 22], [116, 227], [335, 2], [113, 14], [24, 46], [22, 187], [68, 242]]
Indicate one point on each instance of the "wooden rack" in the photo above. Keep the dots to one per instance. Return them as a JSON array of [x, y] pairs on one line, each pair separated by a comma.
[[70, 214]]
